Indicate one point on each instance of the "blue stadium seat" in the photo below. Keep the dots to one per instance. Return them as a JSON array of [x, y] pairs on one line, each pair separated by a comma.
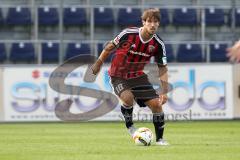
[[189, 53], [74, 16], [103, 16], [169, 52], [214, 17], [74, 49], [22, 52], [100, 47], [164, 17], [2, 52], [19, 16], [236, 16], [129, 17], [185, 17], [218, 53], [48, 16], [1, 17], [50, 52]]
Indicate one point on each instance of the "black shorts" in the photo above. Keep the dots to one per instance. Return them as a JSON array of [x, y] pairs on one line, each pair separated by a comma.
[[141, 88]]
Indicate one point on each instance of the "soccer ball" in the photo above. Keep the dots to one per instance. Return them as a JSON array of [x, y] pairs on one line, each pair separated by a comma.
[[143, 136]]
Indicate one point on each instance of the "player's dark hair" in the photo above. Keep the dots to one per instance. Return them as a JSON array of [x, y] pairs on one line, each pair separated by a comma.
[[150, 13]]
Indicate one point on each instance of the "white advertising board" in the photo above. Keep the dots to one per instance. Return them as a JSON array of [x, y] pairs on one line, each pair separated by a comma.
[[236, 91], [28, 96], [1, 96], [200, 92]]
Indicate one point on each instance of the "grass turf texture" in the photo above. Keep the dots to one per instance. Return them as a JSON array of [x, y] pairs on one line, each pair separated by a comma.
[[215, 140]]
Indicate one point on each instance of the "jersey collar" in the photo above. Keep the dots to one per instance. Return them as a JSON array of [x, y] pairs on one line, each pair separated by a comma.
[[140, 29]]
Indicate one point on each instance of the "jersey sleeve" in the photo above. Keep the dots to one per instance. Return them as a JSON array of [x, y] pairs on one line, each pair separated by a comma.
[[160, 56], [121, 36]]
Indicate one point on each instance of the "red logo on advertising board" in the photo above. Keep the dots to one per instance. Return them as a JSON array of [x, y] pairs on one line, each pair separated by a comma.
[[35, 74]]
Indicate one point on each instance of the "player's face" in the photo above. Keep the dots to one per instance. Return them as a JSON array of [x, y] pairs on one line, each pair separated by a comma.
[[151, 25]]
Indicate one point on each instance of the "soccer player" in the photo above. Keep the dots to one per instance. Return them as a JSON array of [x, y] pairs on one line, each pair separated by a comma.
[[134, 48], [234, 52]]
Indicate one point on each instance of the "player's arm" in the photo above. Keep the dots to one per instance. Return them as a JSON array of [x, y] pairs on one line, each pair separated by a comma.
[[161, 60], [103, 56], [163, 76], [107, 51]]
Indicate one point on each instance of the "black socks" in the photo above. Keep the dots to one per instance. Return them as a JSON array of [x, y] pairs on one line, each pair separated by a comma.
[[158, 121], [127, 113]]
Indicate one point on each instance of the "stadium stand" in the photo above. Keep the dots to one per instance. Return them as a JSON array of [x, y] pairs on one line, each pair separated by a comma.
[[214, 16], [1, 17], [218, 52], [48, 16], [170, 53], [74, 49], [189, 53], [22, 52], [236, 15], [110, 18], [185, 17], [74, 16], [50, 52], [165, 20], [19, 16], [103, 16], [2, 52], [129, 16]]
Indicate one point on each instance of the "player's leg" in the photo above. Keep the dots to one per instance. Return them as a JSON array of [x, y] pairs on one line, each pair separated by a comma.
[[158, 119], [147, 94], [125, 95], [127, 99], [144, 93]]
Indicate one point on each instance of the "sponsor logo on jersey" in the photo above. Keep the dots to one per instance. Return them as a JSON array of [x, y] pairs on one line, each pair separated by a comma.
[[139, 53], [151, 48]]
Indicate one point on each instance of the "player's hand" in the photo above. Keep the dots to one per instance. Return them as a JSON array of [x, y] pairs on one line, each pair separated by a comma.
[[163, 99], [234, 52], [96, 67]]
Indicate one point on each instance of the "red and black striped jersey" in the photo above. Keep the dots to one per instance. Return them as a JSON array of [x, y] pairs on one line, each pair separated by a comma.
[[132, 53]]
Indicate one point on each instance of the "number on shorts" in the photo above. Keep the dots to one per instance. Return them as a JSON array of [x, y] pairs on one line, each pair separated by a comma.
[[119, 88]]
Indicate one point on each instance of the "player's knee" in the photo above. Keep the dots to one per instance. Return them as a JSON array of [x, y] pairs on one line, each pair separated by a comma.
[[156, 106], [127, 99]]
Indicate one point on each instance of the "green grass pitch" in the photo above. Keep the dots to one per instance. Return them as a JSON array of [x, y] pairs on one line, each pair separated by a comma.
[[199, 140]]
